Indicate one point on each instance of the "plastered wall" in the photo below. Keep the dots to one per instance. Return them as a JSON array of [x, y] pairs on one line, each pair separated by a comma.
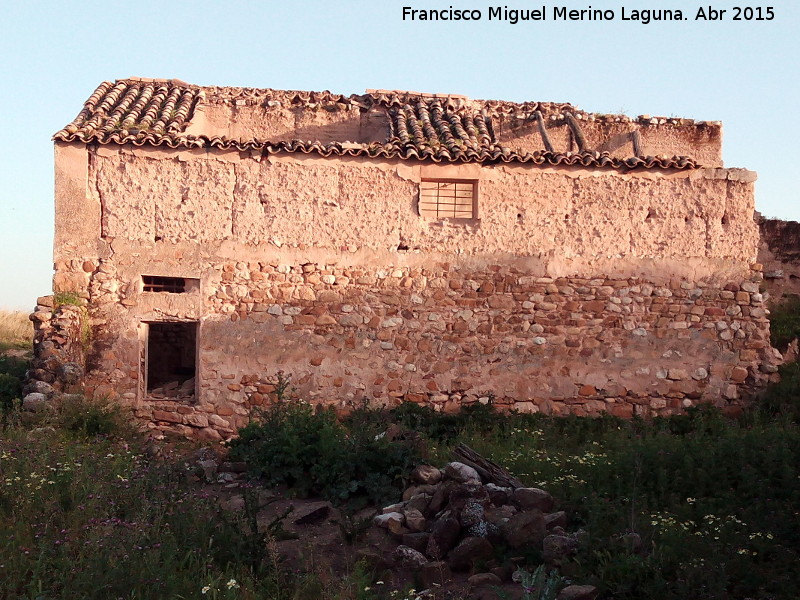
[[205, 197]]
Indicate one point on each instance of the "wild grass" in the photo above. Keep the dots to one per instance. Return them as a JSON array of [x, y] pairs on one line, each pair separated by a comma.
[[94, 516], [691, 506], [88, 512], [697, 506], [99, 519], [16, 331]]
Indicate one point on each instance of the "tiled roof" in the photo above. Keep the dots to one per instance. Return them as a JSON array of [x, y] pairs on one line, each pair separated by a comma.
[[421, 126], [142, 112]]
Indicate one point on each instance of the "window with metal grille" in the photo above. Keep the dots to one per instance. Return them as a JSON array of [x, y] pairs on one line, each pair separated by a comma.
[[173, 285], [448, 199]]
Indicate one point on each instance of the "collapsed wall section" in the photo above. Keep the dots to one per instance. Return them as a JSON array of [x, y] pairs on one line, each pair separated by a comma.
[[779, 252], [571, 291], [60, 340]]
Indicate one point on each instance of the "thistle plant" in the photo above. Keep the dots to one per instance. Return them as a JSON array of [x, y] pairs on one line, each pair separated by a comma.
[[541, 584]]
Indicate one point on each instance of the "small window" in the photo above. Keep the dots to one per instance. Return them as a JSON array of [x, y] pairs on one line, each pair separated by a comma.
[[448, 199], [173, 285]]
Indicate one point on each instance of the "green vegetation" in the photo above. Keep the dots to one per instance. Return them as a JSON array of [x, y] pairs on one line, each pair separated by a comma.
[[692, 506], [74, 299], [87, 512], [695, 506], [785, 322], [314, 454], [16, 339], [541, 584], [783, 399], [12, 374], [94, 517], [70, 298]]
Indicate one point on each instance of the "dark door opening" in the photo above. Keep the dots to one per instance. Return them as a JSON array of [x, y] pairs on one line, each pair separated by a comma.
[[171, 360]]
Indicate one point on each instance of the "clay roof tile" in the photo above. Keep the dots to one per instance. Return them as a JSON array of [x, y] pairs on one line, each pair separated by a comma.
[[436, 127]]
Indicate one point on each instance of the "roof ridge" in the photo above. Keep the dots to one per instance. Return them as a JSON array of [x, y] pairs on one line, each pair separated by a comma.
[[176, 82], [553, 110]]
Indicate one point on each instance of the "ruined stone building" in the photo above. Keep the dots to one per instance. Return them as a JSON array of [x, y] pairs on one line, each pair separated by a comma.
[[400, 246], [779, 252]]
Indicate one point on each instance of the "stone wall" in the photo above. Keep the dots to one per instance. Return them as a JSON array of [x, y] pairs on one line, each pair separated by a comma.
[[575, 291], [446, 337], [59, 343]]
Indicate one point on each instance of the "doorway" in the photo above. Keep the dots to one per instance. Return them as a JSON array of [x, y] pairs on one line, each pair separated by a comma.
[[171, 360]]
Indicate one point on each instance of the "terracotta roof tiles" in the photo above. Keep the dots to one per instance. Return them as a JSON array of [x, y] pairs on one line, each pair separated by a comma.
[[421, 126], [149, 112]]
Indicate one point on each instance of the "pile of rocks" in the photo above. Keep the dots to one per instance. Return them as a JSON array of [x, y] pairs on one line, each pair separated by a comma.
[[451, 520], [57, 353], [175, 389]]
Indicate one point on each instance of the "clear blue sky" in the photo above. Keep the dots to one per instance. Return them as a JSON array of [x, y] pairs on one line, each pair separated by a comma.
[[54, 54]]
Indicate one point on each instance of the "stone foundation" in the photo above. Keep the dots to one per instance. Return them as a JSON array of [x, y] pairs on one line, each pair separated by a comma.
[[444, 335]]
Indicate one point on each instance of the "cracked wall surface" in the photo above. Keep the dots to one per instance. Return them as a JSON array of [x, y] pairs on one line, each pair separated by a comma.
[[581, 214]]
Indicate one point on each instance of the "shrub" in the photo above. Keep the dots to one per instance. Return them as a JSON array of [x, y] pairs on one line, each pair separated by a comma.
[[87, 418], [313, 453], [11, 365], [783, 397], [475, 418], [10, 390], [12, 373], [69, 298], [541, 584]]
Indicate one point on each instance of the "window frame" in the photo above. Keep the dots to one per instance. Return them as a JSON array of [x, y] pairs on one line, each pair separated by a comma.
[[427, 213], [158, 284]]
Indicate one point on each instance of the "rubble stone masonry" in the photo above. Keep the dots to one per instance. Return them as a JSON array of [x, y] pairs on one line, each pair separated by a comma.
[[779, 252]]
